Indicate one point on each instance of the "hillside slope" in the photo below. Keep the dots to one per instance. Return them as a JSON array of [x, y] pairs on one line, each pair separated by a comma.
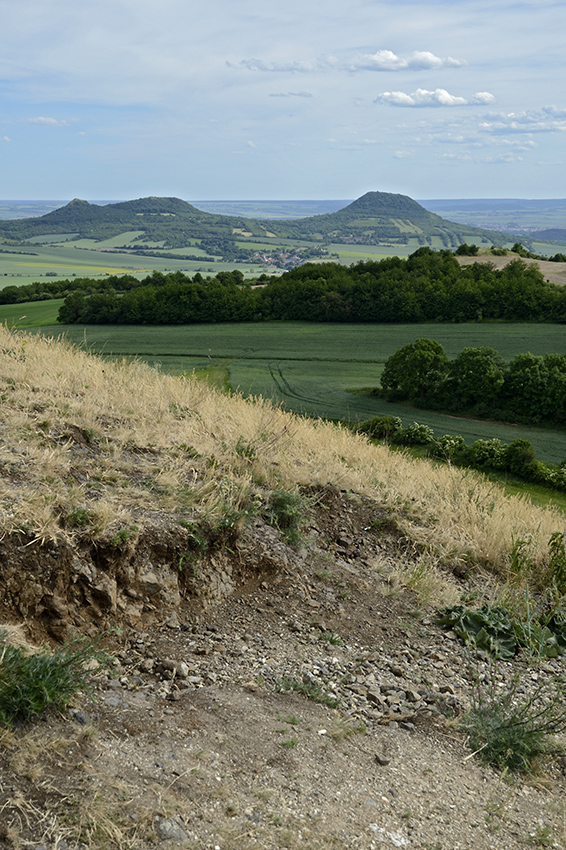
[[278, 677], [375, 218]]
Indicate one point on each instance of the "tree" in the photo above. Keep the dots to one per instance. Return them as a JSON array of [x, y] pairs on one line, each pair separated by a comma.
[[415, 369], [476, 375]]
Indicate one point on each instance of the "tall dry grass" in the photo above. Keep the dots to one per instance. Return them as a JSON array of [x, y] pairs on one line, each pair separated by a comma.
[[157, 443]]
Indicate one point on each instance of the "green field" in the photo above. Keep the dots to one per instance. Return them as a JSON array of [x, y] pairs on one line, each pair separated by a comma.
[[314, 368], [87, 258]]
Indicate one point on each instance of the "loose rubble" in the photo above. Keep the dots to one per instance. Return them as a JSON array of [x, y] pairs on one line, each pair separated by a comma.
[[311, 702]]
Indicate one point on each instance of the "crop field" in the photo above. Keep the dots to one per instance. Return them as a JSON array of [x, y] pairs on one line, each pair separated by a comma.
[[31, 314], [316, 369], [19, 266]]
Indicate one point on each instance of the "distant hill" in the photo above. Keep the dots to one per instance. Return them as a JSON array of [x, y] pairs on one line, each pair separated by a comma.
[[375, 218], [381, 217], [552, 234]]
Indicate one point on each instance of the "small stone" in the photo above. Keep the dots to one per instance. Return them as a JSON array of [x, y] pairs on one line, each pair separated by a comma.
[[169, 829], [381, 759], [412, 696]]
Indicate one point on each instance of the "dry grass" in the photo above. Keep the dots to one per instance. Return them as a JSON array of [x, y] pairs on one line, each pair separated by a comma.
[[118, 441]]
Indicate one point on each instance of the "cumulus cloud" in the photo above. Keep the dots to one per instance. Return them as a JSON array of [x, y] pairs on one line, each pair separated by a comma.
[[386, 60], [47, 122], [438, 97], [291, 94]]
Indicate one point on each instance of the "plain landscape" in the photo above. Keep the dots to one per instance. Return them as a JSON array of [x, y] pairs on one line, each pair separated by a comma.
[[259, 584]]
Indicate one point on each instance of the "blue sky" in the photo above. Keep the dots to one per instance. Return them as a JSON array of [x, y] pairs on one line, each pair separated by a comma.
[[241, 99]]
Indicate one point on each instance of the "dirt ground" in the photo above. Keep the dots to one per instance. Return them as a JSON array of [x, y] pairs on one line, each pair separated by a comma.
[[316, 707]]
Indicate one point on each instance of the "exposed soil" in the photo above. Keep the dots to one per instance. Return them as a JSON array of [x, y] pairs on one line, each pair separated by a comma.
[[206, 732]]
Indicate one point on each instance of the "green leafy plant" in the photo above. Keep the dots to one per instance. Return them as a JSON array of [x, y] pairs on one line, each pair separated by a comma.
[[78, 518], [32, 682], [125, 534], [557, 561], [510, 731], [331, 638], [287, 512], [492, 629]]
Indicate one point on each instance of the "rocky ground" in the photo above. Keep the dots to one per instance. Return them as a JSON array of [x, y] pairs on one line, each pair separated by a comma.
[[306, 699]]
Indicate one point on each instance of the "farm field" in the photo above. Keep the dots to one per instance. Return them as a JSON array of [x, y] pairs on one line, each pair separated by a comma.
[[313, 369], [87, 258]]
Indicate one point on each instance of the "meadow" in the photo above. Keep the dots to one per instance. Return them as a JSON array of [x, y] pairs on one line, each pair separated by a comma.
[[320, 370]]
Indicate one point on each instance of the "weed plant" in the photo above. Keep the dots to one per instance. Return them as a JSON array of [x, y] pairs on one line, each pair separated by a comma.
[[287, 512], [311, 691], [509, 730], [32, 682]]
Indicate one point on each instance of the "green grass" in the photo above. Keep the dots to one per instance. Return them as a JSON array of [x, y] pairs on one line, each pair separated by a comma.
[[312, 368], [31, 683], [83, 258], [30, 314]]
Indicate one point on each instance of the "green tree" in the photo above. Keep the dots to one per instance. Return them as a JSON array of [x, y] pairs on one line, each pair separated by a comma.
[[476, 375], [415, 369]]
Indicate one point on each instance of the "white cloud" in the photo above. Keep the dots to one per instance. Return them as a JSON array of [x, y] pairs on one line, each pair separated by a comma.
[[275, 67], [381, 60], [438, 97], [386, 60], [291, 94], [47, 122], [483, 97], [6, 139], [549, 119]]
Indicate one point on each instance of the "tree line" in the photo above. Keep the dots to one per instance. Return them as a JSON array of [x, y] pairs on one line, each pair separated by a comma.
[[530, 389], [427, 286]]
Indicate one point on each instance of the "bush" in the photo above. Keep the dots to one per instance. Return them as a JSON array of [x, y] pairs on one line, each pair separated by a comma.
[[488, 453], [466, 250], [287, 512], [416, 435], [381, 427], [32, 682], [448, 446], [520, 459]]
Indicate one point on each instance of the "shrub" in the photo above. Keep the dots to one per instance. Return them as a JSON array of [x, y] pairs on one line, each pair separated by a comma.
[[466, 250], [448, 446], [416, 435], [381, 427], [488, 453], [287, 512], [520, 459]]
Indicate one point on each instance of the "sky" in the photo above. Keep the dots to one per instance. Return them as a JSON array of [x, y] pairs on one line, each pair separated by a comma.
[[300, 99]]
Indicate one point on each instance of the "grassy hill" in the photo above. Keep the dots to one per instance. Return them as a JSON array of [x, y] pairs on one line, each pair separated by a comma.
[[265, 588], [375, 218]]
